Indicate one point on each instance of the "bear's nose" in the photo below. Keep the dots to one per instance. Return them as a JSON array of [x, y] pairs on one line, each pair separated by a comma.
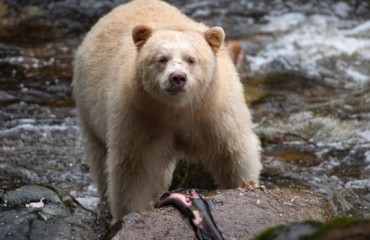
[[177, 80]]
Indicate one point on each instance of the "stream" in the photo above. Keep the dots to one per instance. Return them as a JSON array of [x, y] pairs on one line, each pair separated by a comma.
[[308, 90]]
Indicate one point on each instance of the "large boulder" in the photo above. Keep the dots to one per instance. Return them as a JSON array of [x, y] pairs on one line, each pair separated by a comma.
[[239, 214]]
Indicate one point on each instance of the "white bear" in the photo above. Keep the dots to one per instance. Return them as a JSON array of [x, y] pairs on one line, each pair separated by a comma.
[[153, 86]]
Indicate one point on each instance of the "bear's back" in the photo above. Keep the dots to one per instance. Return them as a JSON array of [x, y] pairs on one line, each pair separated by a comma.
[[111, 28]]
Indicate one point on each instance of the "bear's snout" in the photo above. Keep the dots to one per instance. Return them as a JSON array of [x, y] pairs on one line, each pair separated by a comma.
[[177, 81]]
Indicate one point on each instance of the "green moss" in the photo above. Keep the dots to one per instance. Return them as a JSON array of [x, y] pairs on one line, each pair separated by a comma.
[[270, 233], [289, 232], [352, 227], [339, 223]]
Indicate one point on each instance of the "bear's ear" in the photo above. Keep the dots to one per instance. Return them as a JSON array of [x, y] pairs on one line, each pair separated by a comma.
[[215, 37], [140, 34]]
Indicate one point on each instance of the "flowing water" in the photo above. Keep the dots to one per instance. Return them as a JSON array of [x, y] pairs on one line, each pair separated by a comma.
[[309, 91]]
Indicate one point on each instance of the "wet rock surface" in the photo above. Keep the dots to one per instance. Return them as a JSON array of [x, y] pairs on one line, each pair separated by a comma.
[[239, 214], [308, 89], [58, 218]]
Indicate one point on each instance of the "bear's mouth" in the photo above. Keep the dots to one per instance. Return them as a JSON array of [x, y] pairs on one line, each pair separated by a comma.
[[175, 91]]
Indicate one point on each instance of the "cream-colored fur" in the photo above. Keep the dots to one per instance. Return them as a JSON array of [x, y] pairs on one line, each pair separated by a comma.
[[135, 127]]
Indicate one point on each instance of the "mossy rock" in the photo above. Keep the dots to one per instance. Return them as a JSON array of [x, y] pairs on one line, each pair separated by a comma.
[[336, 229]]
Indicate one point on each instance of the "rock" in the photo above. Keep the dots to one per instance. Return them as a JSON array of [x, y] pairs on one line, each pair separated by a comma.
[[239, 214], [336, 229], [59, 218], [90, 203], [19, 197]]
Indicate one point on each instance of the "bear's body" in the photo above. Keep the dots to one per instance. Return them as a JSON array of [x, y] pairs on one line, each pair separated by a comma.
[[152, 86]]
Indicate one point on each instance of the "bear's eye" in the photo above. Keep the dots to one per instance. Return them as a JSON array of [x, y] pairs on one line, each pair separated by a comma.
[[191, 60], [163, 59]]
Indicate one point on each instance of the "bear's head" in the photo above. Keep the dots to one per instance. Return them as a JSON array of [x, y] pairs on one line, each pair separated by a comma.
[[177, 68]]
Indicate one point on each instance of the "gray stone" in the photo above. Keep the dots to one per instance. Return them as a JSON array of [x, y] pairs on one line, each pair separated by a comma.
[[239, 214], [55, 220]]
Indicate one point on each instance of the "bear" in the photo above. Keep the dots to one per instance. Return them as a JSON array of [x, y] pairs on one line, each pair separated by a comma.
[[151, 87]]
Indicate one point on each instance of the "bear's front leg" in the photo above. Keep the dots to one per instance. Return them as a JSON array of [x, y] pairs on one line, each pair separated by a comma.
[[235, 164], [96, 154], [136, 181], [235, 156]]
